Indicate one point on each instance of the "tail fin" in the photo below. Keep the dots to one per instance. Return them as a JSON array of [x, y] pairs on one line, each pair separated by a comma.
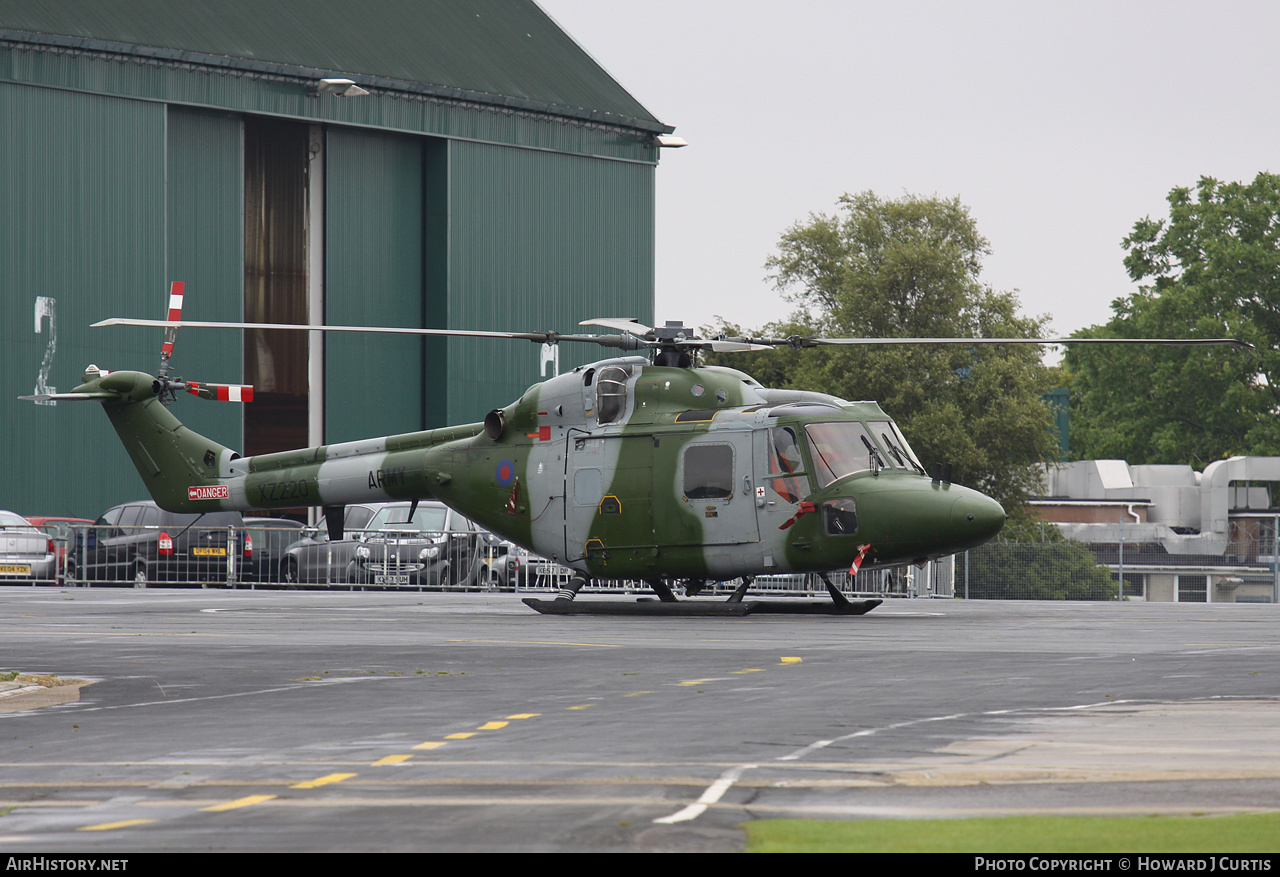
[[180, 468]]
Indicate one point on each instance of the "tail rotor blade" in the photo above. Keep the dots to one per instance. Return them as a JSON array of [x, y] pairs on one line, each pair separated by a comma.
[[171, 332], [221, 392]]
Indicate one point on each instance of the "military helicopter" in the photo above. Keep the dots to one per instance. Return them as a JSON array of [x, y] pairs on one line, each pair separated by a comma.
[[639, 466]]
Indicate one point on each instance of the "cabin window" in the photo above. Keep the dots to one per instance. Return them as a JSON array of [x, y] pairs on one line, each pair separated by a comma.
[[611, 393], [708, 472]]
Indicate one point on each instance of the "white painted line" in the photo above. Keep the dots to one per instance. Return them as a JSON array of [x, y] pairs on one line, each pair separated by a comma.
[[712, 795]]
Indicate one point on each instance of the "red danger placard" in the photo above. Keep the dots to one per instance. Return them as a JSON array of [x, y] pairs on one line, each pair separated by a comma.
[[218, 492]]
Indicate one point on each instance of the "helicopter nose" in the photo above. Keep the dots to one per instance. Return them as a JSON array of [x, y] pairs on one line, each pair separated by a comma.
[[977, 516]]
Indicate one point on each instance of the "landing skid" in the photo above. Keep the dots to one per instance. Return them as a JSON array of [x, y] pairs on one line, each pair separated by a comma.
[[668, 605], [643, 607], [699, 608], [804, 607]]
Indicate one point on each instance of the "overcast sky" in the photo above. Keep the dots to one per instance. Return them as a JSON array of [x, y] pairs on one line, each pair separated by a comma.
[[1058, 124]]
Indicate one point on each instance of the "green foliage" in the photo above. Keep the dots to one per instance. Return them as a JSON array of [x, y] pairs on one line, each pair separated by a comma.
[[910, 268], [1050, 571], [1212, 269]]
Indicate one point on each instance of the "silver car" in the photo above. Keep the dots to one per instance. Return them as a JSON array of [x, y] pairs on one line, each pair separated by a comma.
[[27, 554], [437, 546]]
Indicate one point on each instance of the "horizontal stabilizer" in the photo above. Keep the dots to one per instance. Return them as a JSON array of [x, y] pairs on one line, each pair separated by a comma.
[[68, 397]]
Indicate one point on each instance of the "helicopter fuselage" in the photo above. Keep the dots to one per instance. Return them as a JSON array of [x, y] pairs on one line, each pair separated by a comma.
[[617, 469]]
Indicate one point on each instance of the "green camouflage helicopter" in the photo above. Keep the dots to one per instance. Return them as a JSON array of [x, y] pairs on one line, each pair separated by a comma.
[[635, 467]]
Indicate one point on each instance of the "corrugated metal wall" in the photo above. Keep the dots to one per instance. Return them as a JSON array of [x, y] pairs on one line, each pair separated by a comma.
[[82, 223], [539, 240], [373, 277], [205, 249], [468, 236]]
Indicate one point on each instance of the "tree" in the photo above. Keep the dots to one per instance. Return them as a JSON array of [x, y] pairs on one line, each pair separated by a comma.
[[910, 268], [1211, 269], [1058, 570]]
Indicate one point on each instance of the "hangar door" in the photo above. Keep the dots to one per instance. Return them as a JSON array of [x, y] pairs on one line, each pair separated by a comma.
[[379, 267]]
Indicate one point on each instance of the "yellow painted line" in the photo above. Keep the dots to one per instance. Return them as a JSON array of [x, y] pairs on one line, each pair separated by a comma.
[[752, 670], [237, 803], [430, 744], [791, 660], [391, 759], [696, 681], [637, 693], [524, 716], [464, 735], [492, 726], [107, 826], [582, 706], [324, 781]]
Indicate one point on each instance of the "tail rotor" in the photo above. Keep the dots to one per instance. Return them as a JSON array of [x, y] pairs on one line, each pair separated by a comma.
[[167, 388]]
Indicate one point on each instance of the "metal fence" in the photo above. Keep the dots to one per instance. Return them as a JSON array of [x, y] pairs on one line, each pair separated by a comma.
[[270, 554], [267, 554], [141, 556]]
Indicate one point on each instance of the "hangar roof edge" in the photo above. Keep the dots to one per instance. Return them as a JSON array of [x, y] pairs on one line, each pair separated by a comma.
[[506, 53]]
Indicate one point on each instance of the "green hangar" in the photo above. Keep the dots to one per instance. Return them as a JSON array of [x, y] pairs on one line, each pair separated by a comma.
[[423, 163]]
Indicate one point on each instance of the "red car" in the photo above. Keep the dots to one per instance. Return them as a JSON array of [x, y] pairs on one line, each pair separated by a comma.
[[59, 530]]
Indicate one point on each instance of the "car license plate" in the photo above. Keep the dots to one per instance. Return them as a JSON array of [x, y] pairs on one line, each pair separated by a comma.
[[19, 569], [390, 580], [209, 552]]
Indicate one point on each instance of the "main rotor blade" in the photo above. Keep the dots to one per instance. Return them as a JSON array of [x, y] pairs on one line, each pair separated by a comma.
[[1232, 342], [622, 342], [393, 330], [798, 341], [720, 346], [630, 341], [622, 324]]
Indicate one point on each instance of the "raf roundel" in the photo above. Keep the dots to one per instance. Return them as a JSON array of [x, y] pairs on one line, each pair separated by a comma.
[[506, 472]]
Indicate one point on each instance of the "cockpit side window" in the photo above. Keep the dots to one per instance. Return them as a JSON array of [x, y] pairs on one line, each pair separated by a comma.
[[785, 464], [611, 393], [840, 517]]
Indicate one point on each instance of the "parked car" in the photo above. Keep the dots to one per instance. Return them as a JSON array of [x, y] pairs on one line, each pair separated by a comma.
[[61, 531], [269, 538], [314, 560], [436, 546], [27, 554], [140, 542], [504, 565]]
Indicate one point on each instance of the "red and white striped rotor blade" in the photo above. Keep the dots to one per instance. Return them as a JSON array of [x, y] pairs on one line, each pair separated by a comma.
[[175, 314], [221, 392]]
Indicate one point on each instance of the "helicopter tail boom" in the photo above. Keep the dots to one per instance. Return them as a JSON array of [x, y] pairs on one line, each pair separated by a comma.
[[188, 472]]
